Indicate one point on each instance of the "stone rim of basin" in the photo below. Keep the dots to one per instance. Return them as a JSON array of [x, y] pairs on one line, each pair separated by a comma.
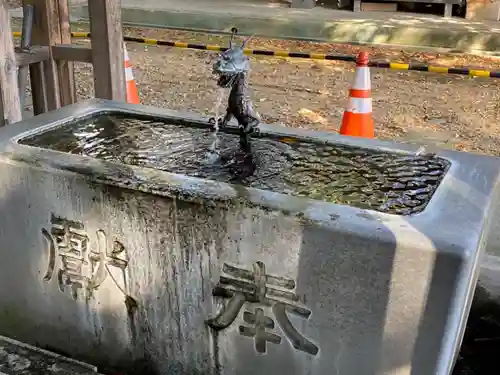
[[301, 165], [382, 181]]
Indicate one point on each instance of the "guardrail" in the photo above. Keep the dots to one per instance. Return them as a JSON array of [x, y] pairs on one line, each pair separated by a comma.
[[309, 55]]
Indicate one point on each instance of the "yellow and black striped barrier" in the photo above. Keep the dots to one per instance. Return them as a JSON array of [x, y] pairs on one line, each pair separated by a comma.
[[306, 55]]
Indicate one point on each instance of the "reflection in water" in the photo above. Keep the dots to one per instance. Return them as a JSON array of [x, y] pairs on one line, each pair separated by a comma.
[[395, 183]]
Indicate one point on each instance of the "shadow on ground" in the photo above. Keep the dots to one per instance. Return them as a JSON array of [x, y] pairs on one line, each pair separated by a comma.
[[481, 344]]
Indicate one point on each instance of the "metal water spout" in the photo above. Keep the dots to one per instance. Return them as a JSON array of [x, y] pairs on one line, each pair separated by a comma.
[[232, 67]]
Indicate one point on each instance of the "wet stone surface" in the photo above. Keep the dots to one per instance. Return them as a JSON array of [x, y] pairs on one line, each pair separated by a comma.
[[388, 182], [22, 359]]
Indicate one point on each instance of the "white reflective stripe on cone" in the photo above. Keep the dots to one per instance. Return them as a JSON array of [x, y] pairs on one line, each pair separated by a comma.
[[125, 53], [362, 78], [359, 105], [129, 76]]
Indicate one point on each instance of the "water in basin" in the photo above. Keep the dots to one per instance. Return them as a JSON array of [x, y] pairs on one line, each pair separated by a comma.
[[388, 182]]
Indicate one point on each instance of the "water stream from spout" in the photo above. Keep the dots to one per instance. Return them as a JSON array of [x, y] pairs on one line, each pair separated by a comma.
[[213, 150]]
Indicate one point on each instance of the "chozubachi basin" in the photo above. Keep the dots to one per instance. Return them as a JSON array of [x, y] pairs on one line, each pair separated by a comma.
[[127, 244]]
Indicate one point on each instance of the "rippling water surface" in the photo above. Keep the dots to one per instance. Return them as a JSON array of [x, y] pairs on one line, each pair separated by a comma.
[[395, 183]]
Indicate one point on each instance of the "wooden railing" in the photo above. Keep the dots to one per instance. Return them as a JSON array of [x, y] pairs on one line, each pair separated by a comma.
[[49, 56]]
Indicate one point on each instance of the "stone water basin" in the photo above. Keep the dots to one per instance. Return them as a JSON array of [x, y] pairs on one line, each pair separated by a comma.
[[132, 247], [379, 180]]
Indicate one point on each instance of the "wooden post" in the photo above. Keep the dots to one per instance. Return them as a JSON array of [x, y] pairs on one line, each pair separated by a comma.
[[37, 81], [448, 9], [23, 71], [65, 69], [10, 107], [52, 79], [44, 79], [107, 49]]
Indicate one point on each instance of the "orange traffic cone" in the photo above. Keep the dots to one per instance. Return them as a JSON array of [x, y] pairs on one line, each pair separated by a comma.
[[357, 120], [132, 93]]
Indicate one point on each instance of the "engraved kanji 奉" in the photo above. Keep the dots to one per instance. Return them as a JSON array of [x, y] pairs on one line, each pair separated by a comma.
[[255, 287]]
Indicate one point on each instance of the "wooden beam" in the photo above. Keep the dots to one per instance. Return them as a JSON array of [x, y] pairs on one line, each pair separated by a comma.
[[9, 89], [107, 49], [35, 55], [72, 52]]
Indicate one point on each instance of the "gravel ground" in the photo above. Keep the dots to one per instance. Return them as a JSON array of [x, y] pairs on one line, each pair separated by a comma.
[[453, 111]]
